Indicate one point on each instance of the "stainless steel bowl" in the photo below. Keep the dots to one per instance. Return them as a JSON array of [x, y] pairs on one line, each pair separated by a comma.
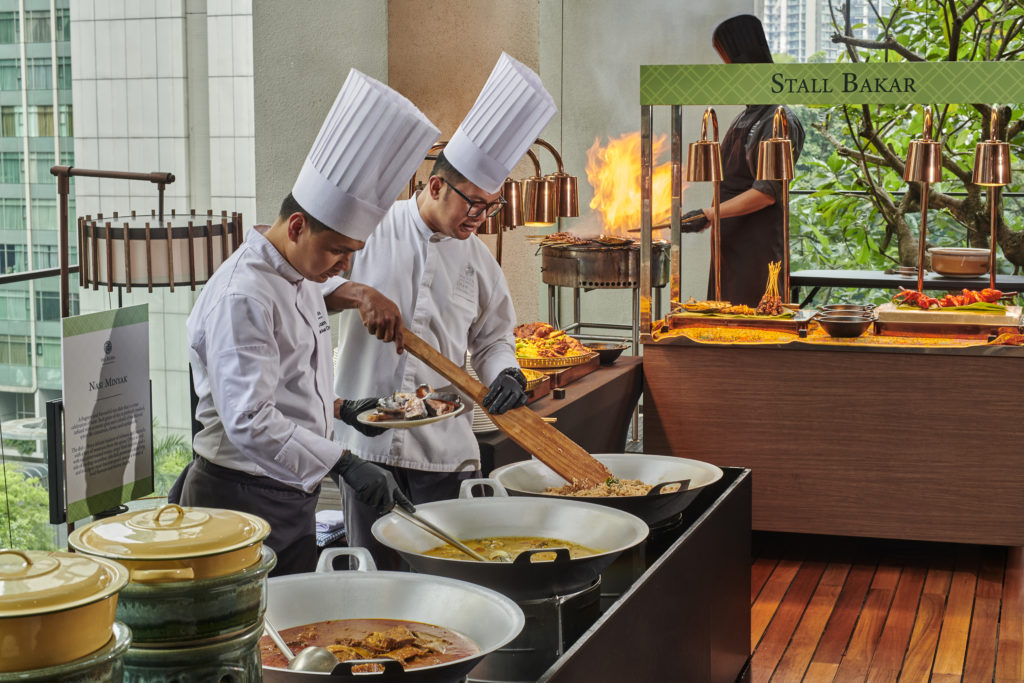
[[843, 309], [531, 477], [607, 352], [597, 527], [845, 325], [489, 619]]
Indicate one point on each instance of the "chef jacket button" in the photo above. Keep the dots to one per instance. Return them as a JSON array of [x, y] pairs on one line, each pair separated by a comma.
[[251, 415]]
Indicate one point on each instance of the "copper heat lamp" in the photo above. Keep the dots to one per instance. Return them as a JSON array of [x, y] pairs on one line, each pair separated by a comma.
[[992, 170], [924, 165], [775, 162], [703, 165]]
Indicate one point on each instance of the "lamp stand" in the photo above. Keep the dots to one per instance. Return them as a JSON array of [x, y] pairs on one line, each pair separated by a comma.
[[993, 202], [716, 239], [785, 242], [924, 231]]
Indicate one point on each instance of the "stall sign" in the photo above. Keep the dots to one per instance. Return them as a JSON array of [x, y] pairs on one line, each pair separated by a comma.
[[831, 84], [107, 410]]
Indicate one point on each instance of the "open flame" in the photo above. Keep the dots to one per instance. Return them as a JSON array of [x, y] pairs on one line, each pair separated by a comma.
[[614, 173]]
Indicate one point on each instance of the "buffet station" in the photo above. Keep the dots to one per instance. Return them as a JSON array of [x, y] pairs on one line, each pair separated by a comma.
[[891, 421]]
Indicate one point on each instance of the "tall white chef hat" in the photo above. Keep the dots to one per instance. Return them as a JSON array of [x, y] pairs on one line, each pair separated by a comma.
[[368, 147], [506, 118]]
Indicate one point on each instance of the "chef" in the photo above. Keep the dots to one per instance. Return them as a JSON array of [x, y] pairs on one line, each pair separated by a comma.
[[259, 338], [449, 290], [751, 212]]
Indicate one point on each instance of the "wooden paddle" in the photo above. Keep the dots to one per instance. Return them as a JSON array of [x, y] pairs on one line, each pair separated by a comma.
[[522, 425]]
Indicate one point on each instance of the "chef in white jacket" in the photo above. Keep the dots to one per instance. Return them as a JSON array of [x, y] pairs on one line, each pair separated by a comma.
[[448, 289], [259, 338]]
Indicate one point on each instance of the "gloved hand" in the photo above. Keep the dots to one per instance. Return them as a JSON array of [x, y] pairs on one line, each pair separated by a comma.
[[374, 485], [697, 221], [346, 411], [508, 390]]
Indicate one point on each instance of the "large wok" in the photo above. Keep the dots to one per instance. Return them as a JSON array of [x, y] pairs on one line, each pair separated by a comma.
[[490, 620], [600, 528], [531, 477]]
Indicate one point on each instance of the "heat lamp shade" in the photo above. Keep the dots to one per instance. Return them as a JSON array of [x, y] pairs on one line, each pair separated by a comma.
[[924, 162], [539, 202], [775, 159], [124, 252], [992, 163], [704, 162]]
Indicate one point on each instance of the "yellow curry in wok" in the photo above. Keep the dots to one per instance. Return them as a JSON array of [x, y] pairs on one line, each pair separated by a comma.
[[507, 548]]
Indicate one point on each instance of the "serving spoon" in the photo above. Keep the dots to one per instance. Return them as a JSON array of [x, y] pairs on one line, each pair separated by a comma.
[[411, 516], [312, 658]]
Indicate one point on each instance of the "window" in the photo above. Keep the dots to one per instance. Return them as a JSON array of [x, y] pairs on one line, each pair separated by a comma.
[[14, 305], [44, 213], [9, 27], [11, 124], [67, 121], [10, 75], [13, 258], [46, 256], [64, 25], [37, 27], [40, 167], [12, 213], [10, 167], [64, 73], [48, 351], [47, 306], [40, 121], [14, 349], [39, 73]]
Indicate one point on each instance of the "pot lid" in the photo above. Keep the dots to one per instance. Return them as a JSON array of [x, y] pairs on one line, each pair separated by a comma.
[[36, 581], [170, 532]]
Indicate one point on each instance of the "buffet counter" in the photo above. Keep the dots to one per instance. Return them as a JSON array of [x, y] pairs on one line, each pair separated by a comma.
[[875, 436], [595, 413]]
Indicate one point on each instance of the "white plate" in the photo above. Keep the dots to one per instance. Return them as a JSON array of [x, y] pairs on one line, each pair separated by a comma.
[[363, 418]]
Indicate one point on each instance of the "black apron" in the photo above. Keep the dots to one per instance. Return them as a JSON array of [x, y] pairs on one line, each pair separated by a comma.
[[749, 242]]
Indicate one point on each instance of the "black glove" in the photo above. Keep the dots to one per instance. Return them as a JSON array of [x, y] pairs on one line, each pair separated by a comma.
[[374, 485], [508, 390], [693, 221], [346, 411]]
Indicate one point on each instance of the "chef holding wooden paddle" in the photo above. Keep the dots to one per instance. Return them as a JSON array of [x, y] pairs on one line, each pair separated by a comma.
[[448, 290], [259, 337]]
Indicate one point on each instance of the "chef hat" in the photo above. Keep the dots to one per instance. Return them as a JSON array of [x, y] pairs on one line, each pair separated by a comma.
[[506, 118], [741, 40], [368, 147]]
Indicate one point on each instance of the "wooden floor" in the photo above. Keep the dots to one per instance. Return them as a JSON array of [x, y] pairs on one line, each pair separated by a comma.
[[837, 609]]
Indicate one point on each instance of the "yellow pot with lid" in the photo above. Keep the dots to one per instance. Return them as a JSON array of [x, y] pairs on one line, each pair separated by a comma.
[[174, 543], [55, 607]]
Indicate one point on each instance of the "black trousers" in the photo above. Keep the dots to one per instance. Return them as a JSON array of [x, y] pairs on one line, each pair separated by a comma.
[[291, 512]]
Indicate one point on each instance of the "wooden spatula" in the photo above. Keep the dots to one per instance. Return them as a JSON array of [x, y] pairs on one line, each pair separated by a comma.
[[522, 425]]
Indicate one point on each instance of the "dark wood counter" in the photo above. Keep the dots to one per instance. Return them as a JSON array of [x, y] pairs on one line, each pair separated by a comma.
[[883, 444], [595, 413]]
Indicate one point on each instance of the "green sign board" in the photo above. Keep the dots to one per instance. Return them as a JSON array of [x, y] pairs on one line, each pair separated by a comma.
[[869, 83]]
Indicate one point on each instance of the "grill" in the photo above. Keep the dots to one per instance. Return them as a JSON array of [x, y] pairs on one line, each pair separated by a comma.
[[597, 266]]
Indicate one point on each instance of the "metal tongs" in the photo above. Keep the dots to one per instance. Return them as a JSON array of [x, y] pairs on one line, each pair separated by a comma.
[[407, 511]]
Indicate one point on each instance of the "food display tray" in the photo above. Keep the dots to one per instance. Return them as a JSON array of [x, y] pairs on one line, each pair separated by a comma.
[[560, 362], [794, 324], [898, 322], [565, 376]]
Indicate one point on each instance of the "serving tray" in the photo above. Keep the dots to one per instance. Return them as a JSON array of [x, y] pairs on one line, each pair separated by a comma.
[[798, 321], [893, 321]]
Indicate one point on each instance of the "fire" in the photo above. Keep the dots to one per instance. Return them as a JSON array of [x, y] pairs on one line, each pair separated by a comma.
[[614, 173]]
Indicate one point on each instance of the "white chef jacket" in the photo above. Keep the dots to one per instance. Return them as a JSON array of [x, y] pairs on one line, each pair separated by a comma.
[[260, 349], [451, 293]]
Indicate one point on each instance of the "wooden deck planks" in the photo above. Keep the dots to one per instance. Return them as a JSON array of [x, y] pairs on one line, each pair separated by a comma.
[[1010, 655], [890, 611], [777, 636], [801, 649]]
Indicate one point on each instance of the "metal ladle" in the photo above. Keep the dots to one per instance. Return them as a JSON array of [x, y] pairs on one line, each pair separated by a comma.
[[312, 658]]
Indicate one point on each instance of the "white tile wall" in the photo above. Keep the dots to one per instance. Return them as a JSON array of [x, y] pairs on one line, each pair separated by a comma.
[[218, 7], [102, 48], [82, 10], [171, 53], [241, 45], [117, 49]]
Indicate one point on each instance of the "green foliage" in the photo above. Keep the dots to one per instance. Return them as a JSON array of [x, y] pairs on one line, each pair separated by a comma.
[[24, 512], [21, 446], [847, 209], [171, 452]]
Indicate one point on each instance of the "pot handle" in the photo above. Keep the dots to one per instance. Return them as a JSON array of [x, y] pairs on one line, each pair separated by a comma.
[[497, 490], [162, 575], [391, 668], [362, 556], [562, 555], [24, 558]]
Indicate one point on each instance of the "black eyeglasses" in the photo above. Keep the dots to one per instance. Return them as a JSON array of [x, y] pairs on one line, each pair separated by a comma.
[[476, 208]]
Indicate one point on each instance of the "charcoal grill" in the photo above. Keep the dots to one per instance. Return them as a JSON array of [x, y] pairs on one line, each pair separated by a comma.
[[592, 265]]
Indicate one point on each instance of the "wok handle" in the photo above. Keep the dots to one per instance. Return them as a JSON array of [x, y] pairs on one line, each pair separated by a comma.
[[362, 556], [562, 555], [660, 487], [466, 487]]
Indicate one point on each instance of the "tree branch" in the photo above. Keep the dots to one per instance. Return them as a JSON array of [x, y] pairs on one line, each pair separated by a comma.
[[887, 44]]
